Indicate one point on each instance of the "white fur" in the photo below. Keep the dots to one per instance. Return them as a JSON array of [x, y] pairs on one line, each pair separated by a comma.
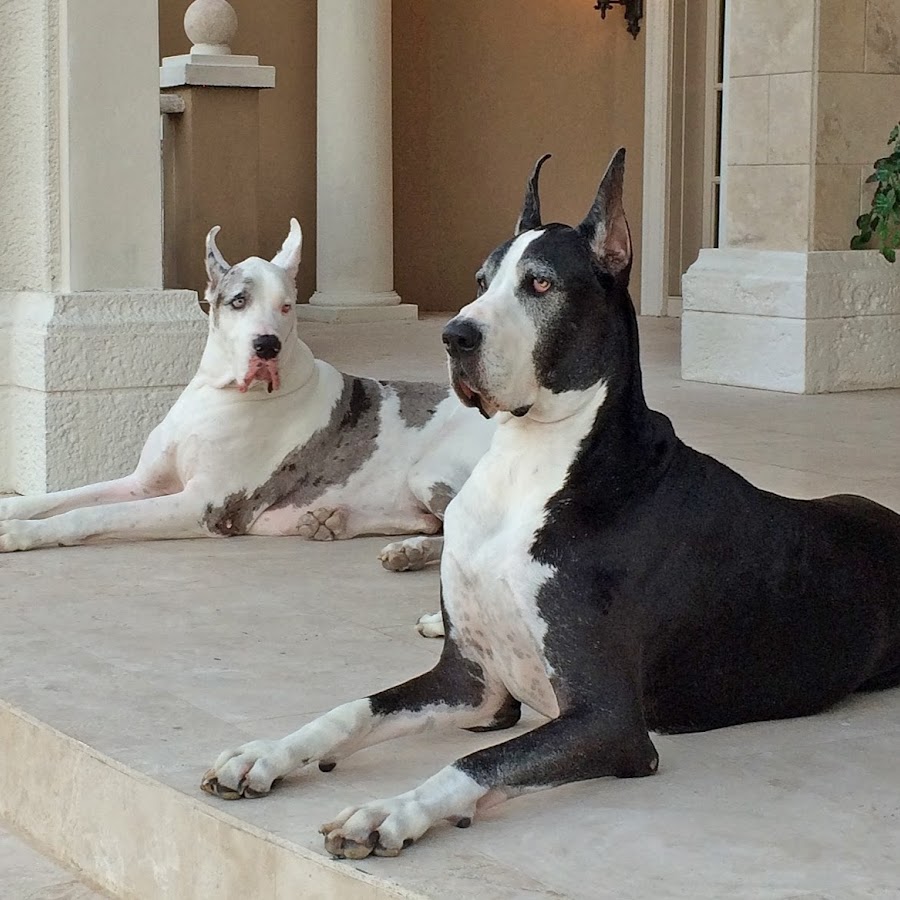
[[329, 738], [506, 354], [489, 578], [217, 441], [449, 794]]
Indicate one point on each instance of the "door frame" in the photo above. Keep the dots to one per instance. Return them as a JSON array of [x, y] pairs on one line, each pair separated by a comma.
[[654, 231]]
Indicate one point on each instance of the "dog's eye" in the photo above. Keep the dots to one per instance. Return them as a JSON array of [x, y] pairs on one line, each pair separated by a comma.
[[541, 285], [238, 302], [286, 308]]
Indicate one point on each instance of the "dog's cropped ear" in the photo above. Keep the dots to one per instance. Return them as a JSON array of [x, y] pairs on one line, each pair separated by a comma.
[[530, 216], [288, 257], [216, 266], [605, 226]]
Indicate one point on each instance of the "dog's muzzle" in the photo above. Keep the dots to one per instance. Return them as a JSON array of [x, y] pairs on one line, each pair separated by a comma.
[[266, 346], [462, 340]]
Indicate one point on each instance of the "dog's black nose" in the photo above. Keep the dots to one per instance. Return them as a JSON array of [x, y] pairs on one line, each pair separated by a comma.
[[461, 336], [267, 346]]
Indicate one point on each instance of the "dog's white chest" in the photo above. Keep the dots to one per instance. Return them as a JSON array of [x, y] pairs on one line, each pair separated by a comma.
[[490, 580]]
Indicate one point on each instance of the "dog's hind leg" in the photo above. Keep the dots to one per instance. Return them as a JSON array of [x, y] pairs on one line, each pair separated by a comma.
[[454, 692], [171, 516], [434, 489], [40, 506], [412, 553]]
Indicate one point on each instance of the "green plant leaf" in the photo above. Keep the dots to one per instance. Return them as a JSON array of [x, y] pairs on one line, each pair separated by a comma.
[[883, 219]]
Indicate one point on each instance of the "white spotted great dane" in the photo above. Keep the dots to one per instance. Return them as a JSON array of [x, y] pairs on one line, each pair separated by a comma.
[[598, 569], [268, 440]]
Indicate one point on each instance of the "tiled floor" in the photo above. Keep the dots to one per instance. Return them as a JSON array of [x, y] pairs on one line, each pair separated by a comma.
[[161, 655], [27, 875]]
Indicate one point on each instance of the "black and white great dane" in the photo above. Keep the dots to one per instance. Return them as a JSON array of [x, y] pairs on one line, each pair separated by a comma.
[[268, 440], [596, 568]]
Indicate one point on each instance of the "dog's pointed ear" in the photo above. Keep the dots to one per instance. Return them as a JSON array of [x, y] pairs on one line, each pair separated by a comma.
[[288, 257], [605, 225], [530, 216], [216, 266]]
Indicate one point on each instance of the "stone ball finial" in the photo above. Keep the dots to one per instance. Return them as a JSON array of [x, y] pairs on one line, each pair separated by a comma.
[[211, 25]]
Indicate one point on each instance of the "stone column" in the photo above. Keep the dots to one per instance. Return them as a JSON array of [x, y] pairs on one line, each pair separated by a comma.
[[211, 150], [354, 238], [784, 304], [92, 350]]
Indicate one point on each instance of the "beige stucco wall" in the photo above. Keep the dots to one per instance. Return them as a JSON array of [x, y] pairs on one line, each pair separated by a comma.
[[480, 91]]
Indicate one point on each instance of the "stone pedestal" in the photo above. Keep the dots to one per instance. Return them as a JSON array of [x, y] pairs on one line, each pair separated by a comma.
[[804, 323], [355, 237], [92, 350], [86, 377]]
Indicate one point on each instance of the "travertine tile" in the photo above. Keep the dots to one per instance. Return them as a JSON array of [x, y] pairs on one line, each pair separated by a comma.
[[854, 117], [769, 36], [748, 120], [768, 207], [790, 118], [836, 207], [842, 35], [883, 36]]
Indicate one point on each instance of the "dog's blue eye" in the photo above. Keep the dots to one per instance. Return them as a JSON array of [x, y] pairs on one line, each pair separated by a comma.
[[238, 302]]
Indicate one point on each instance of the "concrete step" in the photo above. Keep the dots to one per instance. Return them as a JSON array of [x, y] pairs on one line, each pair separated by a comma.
[[27, 874], [139, 838]]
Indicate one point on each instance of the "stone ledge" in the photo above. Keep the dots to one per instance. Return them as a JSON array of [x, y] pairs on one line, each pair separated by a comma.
[[215, 70], [137, 837], [823, 284]]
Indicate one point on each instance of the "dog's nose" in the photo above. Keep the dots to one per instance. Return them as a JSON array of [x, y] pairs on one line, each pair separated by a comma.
[[267, 346], [461, 336]]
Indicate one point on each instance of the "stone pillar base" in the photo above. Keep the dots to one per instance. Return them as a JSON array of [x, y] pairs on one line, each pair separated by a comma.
[[805, 323], [85, 377], [316, 311]]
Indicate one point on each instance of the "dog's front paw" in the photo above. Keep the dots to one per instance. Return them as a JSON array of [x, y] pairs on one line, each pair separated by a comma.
[[323, 524], [17, 534], [407, 556], [431, 625], [249, 771], [383, 827]]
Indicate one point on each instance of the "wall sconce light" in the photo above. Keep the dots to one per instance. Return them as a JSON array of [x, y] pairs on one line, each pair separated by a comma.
[[634, 12]]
